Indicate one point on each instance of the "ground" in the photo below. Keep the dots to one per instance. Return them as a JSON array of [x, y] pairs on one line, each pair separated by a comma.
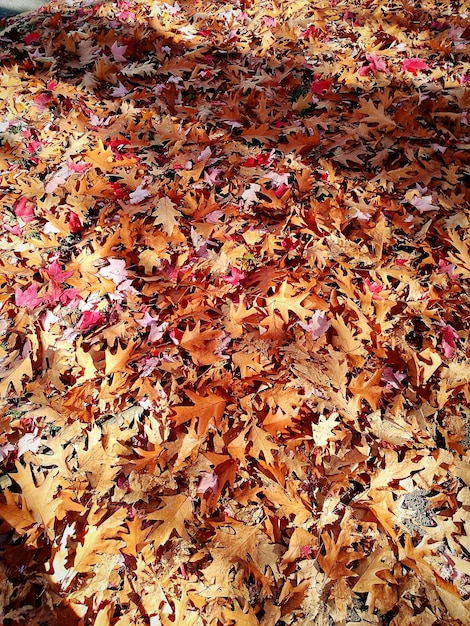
[[234, 321]]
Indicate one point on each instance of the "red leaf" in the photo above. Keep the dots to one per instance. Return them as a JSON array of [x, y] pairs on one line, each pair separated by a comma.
[[414, 65], [90, 319]]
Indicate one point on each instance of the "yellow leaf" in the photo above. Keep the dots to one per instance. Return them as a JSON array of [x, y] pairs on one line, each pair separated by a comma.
[[261, 443], [205, 408]]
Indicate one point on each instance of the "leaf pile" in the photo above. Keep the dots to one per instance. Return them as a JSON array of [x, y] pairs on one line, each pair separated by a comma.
[[234, 369]]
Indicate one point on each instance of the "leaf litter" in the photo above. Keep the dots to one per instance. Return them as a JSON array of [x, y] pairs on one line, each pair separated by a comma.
[[234, 313]]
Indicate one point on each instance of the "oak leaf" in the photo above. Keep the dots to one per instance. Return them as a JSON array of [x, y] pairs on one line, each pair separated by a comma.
[[175, 512], [285, 302], [202, 345], [119, 361], [100, 540], [15, 513], [166, 215], [368, 388], [38, 495], [204, 409]]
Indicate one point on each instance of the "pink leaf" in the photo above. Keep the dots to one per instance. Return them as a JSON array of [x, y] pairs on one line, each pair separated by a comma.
[[138, 195], [32, 38], [5, 450], [448, 341], [56, 273], [78, 167], [24, 210], [235, 277], [157, 330], [208, 482], [447, 268], [70, 297], [374, 288], [377, 63], [365, 69], [318, 325], [118, 52], [29, 443], [392, 378], [115, 271], [28, 297], [53, 293]]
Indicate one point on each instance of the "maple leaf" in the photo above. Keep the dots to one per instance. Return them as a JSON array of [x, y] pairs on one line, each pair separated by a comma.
[[5, 450], [157, 329], [115, 271], [175, 512], [24, 210], [90, 319], [208, 482], [414, 65], [321, 86], [56, 273], [118, 52], [28, 297], [138, 195], [448, 340], [30, 442]]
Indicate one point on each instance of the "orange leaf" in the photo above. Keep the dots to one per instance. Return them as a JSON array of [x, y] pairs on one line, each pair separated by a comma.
[[205, 409], [284, 301], [202, 345], [119, 362], [18, 517], [176, 510], [368, 389]]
